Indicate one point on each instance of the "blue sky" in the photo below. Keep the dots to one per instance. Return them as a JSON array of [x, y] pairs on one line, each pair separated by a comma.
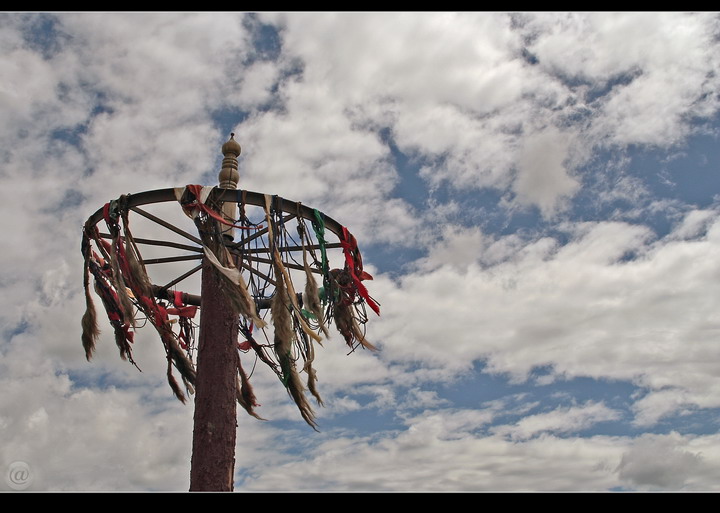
[[537, 196]]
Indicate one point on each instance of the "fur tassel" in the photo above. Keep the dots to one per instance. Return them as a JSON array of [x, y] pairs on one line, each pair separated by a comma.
[[178, 357], [141, 282], [312, 294], [119, 285], [348, 327], [280, 311], [188, 386], [245, 394], [90, 329], [293, 297], [282, 273], [360, 337], [296, 389], [121, 341], [311, 384], [174, 384], [312, 375], [312, 300]]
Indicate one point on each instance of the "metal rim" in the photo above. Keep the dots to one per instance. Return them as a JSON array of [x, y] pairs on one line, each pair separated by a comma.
[[134, 201]]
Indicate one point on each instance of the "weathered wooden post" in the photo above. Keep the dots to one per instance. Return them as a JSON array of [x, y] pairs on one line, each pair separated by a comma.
[[215, 422]]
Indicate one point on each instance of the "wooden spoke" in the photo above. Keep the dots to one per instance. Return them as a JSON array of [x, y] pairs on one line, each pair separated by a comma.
[[167, 225], [259, 233], [166, 243], [171, 259], [269, 261], [182, 277], [256, 272]]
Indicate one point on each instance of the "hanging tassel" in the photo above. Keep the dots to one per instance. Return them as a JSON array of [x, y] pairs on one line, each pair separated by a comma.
[[312, 294], [90, 329], [308, 368], [348, 327], [245, 394], [359, 336], [343, 307], [110, 214], [140, 282], [312, 383], [178, 357], [173, 383], [121, 340], [280, 311], [281, 272], [312, 301]]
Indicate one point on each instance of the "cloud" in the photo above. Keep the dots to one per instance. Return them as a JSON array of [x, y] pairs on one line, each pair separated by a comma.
[[501, 94], [653, 66], [438, 455], [612, 303], [542, 178], [660, 462], [59, 429], [443, 452], [560, 421]]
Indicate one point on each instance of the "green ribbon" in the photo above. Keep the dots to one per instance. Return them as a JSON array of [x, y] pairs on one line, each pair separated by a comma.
[[318, 225]]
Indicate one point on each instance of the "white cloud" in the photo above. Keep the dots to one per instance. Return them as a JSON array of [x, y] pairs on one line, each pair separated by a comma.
[[560, 421], [440, 452], [581, 308], [89, 439], [542, 177], [662, 462], [668, 54]]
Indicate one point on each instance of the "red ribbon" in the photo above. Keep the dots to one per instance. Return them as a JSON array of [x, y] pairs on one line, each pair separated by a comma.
[[191, 205], [353, 262]]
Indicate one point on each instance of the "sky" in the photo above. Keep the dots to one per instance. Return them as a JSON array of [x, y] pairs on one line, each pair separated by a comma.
[[536, 194]]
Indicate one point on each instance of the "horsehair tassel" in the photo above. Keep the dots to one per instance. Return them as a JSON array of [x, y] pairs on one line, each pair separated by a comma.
[[246, 301], [118, 282], [140, 280], [296, 389], [245, 394], [293, 297], [174, 384], [283, 337], [312, 375], [282, 323], [348, 327], [281, 271], [312, 295], [311, 383], [360, 337], [90, 329], [182, 363], [122, 341]]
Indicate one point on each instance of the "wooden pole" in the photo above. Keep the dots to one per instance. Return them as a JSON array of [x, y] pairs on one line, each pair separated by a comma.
[[212, 467]]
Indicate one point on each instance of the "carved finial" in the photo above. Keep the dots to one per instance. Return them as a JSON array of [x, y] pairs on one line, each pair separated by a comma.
[[229, 176]]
